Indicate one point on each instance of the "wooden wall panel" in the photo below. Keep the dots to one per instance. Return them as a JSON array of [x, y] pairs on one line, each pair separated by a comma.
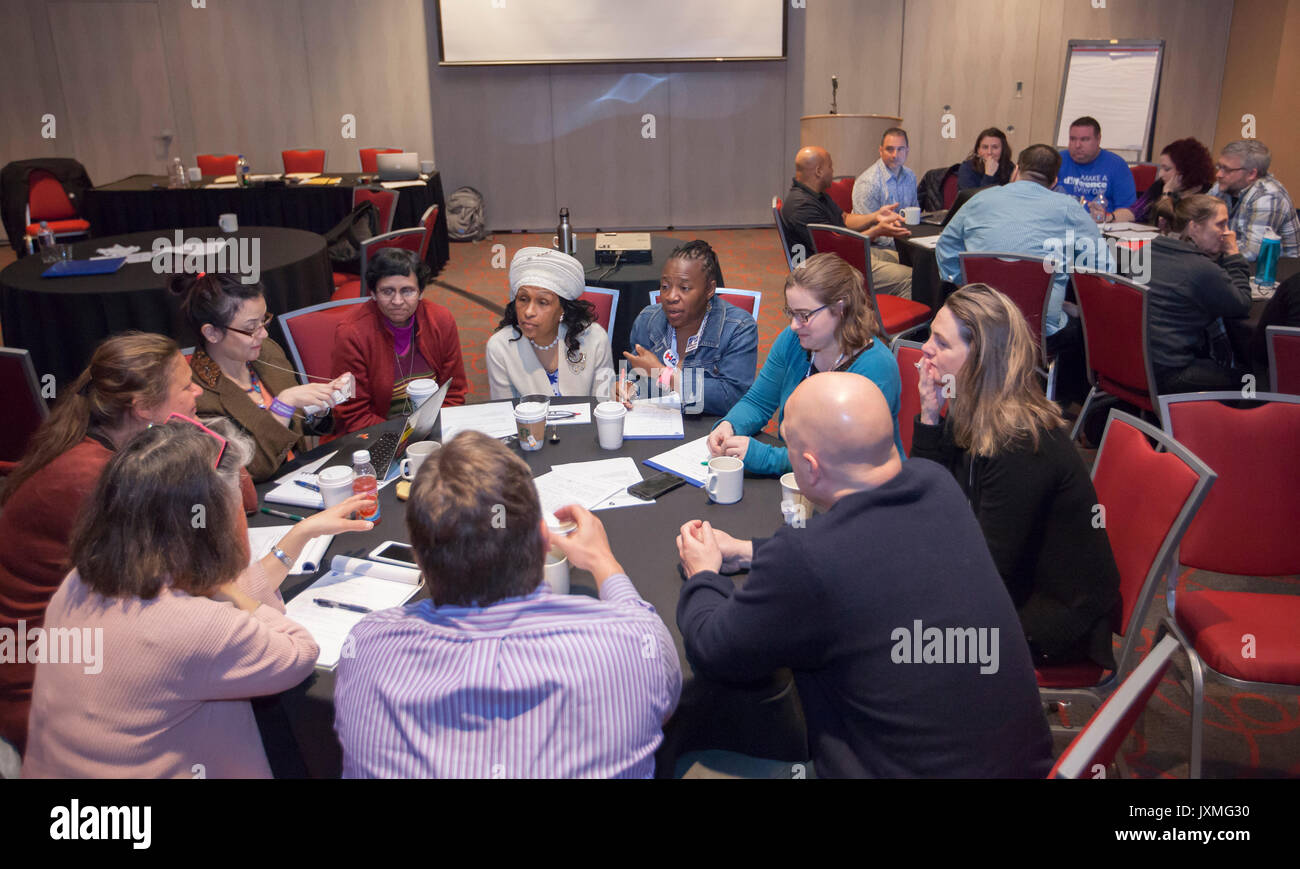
[[25, 45]]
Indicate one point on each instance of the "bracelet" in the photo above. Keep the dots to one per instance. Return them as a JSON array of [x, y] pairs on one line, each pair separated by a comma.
[[282, 557], [279, 408]]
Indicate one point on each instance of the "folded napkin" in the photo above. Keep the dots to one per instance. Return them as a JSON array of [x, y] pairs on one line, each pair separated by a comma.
[[118, 250]]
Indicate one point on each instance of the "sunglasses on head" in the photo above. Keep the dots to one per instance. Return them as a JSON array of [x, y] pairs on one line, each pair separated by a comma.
[[221, 442]]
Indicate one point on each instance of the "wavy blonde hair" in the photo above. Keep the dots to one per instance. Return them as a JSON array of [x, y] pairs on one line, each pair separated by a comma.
[[831, 280], [998, 399]]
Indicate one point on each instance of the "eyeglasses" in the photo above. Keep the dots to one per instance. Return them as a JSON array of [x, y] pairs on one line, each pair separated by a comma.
[[261, 327], [387, 293], [221, 442], [802, 317], [1228, 169]]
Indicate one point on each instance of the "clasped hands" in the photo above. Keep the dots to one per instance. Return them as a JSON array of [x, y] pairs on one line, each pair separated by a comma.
[[702, 547]]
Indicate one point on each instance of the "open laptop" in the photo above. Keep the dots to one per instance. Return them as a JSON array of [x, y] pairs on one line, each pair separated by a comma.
[[398, 167], [943, 216], [387, 450]]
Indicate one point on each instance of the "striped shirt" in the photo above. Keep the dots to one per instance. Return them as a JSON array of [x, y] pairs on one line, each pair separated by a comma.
[[1265, 204], [543, 686]]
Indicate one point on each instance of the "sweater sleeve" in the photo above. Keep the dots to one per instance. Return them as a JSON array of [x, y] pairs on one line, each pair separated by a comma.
[[728, 381], [933, 442], [755, 408], [499, 386], [450, 362], [602, 378], [1227, 292], [349, 355], [1013, 489]]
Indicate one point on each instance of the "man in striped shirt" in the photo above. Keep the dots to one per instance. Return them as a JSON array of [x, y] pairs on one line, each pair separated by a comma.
[[495, 676]]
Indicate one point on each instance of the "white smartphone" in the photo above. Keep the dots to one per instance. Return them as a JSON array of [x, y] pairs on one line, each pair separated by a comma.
[[392, 552]]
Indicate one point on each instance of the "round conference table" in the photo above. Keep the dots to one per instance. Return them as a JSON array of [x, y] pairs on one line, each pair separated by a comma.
[[763, 720], [61, 320], [634, 282]]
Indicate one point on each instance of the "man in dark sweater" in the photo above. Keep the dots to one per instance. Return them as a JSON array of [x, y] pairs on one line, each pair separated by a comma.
[[907, 652]]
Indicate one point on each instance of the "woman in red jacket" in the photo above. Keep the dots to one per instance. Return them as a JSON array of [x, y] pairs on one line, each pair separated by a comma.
[[393, 339]]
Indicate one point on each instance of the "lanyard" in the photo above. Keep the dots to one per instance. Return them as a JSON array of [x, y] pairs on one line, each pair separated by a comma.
[[554, 377]]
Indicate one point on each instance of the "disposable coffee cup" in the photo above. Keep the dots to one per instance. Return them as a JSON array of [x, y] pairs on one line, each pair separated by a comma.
[[416, 453], [194, 173], [911, 215], [609, 416], [726, 479], [335, 484], [228, 222], [530, 420], [426, 166], [420, 390], [790, 494], [557, 571]]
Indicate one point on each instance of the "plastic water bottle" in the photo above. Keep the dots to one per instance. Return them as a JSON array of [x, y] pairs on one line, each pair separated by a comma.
[[365, 482], [241, 171], [45, 239], [176, 174], [1266, 263], [1097, 208]]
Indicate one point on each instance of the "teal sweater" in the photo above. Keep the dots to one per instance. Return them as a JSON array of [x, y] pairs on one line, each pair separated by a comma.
[[785, 368]]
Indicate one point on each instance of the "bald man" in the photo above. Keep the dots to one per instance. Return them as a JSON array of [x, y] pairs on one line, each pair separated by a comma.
[[906, 650], [807, 202]]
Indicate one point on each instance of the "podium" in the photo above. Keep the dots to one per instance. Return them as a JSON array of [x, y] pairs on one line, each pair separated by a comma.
[[852, 140]]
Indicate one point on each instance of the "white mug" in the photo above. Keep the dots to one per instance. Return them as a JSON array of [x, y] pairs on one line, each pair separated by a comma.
[[228, 222], [801, 507], [912, 215], [426, 166], [416, 453], [726, 480], [194, 173], [557, 571]]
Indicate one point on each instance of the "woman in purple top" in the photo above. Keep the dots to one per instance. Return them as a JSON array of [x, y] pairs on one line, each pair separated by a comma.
[[1185, 168]]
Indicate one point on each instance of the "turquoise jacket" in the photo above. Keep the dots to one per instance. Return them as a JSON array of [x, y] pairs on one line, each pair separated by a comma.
[[785, 368]]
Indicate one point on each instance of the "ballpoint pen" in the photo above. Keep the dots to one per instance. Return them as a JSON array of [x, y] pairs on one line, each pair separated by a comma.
[[334, 604], [268, 511], [307, 485]]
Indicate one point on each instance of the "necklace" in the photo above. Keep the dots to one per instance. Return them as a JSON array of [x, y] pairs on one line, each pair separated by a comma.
[[255, 389], [548, 346]]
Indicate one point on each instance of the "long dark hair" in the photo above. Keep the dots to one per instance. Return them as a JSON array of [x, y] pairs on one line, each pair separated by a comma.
[[123, 368], [578, 315], [1005, 164]]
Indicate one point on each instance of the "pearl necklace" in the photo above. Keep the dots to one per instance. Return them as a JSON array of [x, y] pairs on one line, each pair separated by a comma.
[[548, 346]]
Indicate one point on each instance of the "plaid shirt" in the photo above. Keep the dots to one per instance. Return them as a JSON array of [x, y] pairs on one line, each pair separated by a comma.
[[1263, 205]]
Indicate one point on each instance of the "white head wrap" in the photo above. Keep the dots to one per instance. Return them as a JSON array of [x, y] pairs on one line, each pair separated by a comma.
[[549, 269]]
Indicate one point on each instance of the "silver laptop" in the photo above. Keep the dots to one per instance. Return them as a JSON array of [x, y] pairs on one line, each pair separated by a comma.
[[398, 167]]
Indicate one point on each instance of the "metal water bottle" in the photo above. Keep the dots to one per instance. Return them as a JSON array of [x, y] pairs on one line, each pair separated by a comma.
[[1266, 263], [565, 240]]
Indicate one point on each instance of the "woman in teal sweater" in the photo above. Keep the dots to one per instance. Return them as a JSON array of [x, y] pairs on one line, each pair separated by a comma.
[[832, 328]]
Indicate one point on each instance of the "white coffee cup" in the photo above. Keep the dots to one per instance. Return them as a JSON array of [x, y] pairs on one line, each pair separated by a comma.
[[557, 571], [609, 416], [530, 420], [426, 166], [416, 453], [912, 215], [419, 390], [229, 222], [801, 507], [194, 173], [726, 479], [335, 484]]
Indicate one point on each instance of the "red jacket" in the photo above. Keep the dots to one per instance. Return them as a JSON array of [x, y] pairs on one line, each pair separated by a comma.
[[364, 346]]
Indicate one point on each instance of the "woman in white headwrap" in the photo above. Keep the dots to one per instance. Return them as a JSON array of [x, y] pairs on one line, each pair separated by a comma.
[[548, 340]]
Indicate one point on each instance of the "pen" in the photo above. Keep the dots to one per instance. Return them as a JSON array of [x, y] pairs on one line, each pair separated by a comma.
[[333, 604], [307, 485], [561, 414], [268, 511]]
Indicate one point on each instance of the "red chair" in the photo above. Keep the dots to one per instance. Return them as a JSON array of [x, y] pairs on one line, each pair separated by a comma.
[[48, 201], [369, 165], [748, 301], [304, 160], [605, 301], [428, 220], [385, 203], [1144, 175], [25, 408], [950, 189], [352, 289], [1283, 359], [1027, 281], [1114, 315], [841, 192], [780, 232], [907, 354], [409, 239], [217, 164], [1148, 495], [1097, 745], [309, 335], [897, 316], [1246, 527]]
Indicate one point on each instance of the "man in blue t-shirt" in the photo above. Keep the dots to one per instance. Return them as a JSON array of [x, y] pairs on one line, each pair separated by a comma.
[[1087, 169]]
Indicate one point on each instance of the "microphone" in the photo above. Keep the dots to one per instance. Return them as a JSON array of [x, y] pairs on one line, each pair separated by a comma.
[[835, 85]]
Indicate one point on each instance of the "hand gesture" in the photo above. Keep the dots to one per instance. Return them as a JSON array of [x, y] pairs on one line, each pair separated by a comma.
[[643, 360], [587, 546], [308, 395], [337, 519], [1230, 243], [930, 388], [697, 546], [718, 438]]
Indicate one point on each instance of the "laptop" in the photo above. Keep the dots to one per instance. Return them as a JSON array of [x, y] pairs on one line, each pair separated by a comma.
[[387, 450], [398, 167], [943, 216]]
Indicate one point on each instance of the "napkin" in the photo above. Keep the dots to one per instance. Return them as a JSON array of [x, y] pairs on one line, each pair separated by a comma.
[[118, 250]]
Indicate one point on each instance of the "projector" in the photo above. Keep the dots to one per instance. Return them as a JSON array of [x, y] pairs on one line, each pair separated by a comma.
[[625, 247]]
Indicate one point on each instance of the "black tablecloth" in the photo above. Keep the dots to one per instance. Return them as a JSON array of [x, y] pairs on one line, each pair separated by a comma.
[[927, 286], [60, 320], [634, 281], [763, 719], [143, 202]]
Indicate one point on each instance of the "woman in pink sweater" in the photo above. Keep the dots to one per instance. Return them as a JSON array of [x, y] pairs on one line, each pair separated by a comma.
[[163, 630]]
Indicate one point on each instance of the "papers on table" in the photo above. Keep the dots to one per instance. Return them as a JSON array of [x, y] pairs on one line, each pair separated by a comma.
[[930, 241], [262, 540], [654, 418], [393, 185], [690, 461], [322, 180], [495, 419], [217, 185], [583, 412], [266, 176], [288, 492], [143, 256], [361, 587], [613, 474], [301, 176], [116, 251]]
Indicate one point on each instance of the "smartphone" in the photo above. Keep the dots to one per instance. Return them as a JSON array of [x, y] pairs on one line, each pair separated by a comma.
[[392, 552], [652, 487]]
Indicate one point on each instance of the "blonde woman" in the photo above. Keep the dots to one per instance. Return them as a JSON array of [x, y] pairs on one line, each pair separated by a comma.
[[1009, 450]]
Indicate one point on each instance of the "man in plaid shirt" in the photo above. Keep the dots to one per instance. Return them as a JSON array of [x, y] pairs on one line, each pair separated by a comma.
[[1256, 200]]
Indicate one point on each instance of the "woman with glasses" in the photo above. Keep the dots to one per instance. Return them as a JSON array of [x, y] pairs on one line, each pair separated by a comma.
[[244, 374], [395, 338], [832, 328]]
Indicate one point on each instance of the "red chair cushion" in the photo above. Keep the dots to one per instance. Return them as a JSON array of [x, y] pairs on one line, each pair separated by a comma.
[[740, 300], [1144, 175], [1025, 282], [47, 199], [1286, 356], [910, 399], [602, 304], [22, 408], [311, 160], [841, 193], [1216, 621], [385, 201], [369, 161], [899, 315], [217, 164], [1085, 674], [59, 227], [313, 335], [350, 290]]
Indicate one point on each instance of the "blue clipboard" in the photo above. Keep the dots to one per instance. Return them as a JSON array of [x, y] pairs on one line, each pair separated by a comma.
[[77, 267]]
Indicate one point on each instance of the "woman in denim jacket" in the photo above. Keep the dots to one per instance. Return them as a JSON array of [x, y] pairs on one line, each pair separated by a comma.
[[692, 342]]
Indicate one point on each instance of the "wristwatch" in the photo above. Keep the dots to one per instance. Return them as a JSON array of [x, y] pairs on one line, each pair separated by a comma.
[[283, 558]]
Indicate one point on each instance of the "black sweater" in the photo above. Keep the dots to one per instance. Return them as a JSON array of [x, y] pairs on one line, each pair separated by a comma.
[[1189, 291], [1036, 509], [829, 602]]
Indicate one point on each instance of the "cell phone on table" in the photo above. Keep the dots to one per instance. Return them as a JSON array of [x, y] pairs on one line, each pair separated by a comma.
[[392, 552], [652, 487]]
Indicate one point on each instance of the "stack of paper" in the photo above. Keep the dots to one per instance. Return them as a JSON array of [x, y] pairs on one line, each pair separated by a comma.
[[652, 418], [690, 461], [262, 540], [614, 474]]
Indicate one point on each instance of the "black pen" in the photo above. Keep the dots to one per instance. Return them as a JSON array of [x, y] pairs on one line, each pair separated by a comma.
[[268, 511], [307, 485], [333, 604], [561, 414]]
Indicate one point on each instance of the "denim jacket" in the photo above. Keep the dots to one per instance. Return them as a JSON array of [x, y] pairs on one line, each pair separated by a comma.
[[725, 359]]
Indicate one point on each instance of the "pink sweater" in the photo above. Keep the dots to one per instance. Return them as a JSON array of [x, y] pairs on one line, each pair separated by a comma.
[[170, 697]]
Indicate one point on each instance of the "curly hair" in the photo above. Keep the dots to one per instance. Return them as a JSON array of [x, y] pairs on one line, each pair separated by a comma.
[[578, 315], [1194, 163]]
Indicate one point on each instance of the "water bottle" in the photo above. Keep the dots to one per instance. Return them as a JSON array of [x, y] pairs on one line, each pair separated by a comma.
[[46, 240], [565, 240], [241, 171], [365, 482], [1266, 264], [176, 175], [1097, 208]]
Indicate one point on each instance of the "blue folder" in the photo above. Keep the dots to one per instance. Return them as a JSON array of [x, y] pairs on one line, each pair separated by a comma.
[[77, 267]]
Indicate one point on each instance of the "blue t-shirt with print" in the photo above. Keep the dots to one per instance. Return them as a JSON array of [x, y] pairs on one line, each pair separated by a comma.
[[1108, 173]]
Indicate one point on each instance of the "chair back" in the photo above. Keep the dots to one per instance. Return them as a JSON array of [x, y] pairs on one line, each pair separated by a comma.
[[950, 189], [1144, 175], [1114, 314], [1025, 279], [1099, 741], [780, 231], [217, 164], [409, 239], [428, 220], [369, 163], [25, 408], [841, 192], [385, 202], [304, 160], [46, 198], [853, 247], [1284, 359], [748, 301], [907, 354], [605, 301], [1247, 525], [309, 334]]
